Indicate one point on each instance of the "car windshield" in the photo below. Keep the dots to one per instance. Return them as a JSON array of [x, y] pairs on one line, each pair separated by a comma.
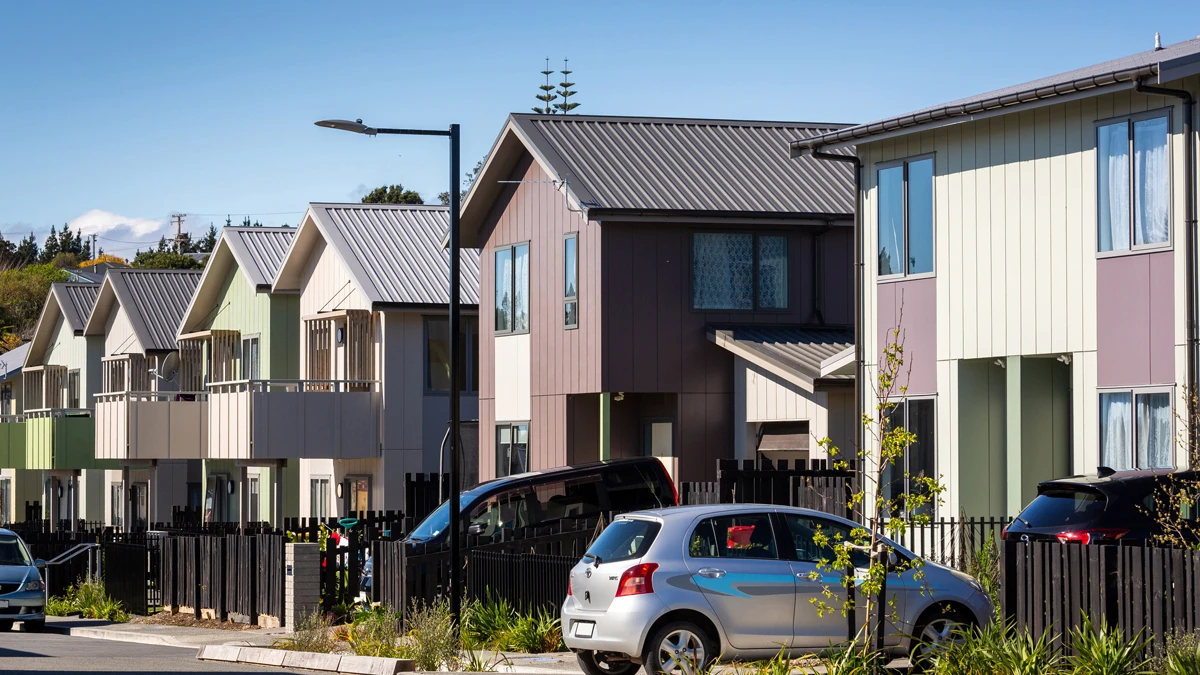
[[12, 551], [439, 520], [1064, 506], [624, 540]]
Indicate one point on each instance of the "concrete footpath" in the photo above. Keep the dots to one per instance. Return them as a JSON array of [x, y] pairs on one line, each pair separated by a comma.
[[164, 636]]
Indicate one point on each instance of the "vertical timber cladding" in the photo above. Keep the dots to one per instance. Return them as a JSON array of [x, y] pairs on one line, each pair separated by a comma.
[[318, 358], [360, 349], [191, 364], [224, 362]]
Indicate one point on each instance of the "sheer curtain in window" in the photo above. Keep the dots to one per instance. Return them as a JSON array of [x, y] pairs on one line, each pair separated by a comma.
[[1151, 181], [1154, 431], [521, 288], [723, 271], [504, 290], [1112, 154], [1116, 431]]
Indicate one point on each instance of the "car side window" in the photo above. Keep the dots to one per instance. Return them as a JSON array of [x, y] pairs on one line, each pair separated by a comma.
[[804, 529], [742, 536], [506, 511]]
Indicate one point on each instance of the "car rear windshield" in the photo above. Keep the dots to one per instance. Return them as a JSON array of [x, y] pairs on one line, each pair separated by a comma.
[[12, 552], [1064, 506], [624, 540]]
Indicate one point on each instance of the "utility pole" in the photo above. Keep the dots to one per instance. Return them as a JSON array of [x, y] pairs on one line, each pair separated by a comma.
[[179, 236]]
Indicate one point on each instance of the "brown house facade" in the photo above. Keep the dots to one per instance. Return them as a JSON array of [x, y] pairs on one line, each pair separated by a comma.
[[613, 250]]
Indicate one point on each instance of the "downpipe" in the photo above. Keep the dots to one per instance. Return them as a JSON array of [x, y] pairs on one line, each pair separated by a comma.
[[1189, 220]]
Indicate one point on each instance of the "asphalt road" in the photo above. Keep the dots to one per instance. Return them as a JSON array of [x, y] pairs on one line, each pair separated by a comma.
[[22, 653]]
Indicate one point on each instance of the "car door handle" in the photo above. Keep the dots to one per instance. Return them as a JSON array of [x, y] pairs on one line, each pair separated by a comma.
[[711, 573]]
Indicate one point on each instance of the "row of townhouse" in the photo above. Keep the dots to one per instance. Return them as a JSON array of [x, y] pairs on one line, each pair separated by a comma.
[[693, 290]]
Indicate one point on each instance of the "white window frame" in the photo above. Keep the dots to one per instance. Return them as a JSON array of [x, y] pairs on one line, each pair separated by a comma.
[[904, 162], [1134, 248], [1133, 423], [321, 511], [254, 372]]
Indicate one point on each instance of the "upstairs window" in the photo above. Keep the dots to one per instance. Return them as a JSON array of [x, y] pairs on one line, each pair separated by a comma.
[[571, 280], [906, 218], [512, 289], [736, 271], [437, 354], [1133, 183], [250, 358]]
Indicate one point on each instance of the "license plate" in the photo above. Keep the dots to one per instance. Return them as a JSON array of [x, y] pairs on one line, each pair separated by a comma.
[[3, 604], [585, 629]]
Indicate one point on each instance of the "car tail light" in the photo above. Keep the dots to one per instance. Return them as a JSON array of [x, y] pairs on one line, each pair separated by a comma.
[[637, 580], [1093, 535], [1004, 533], [569, 593]]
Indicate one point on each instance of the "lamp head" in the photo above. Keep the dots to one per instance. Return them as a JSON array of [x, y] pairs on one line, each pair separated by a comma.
[[356, 126]]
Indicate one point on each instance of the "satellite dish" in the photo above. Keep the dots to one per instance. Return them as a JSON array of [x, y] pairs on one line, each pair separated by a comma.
[[168, 368]]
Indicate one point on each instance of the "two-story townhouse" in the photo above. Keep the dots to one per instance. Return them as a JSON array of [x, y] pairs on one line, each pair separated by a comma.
[[145, 422], [667, 287], [372, 404], [1035, 247], [60, 373], [15, 486], [236, 336]]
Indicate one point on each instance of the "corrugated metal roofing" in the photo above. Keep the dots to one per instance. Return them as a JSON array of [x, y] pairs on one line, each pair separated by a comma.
[[155, 301], [688, 165], [13, 361], [259, 251], [797, 350], [395, 252], [1117, 71], [75, 300]]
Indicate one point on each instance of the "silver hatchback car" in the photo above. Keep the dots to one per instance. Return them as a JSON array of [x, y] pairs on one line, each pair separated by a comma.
[[672, 589], [22, 592]]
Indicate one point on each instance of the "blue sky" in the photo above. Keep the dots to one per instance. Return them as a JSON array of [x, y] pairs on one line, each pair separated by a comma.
[[115, 115]]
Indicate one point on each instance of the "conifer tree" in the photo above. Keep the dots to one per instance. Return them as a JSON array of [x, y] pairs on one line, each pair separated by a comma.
[[566, 93], [548, 96]]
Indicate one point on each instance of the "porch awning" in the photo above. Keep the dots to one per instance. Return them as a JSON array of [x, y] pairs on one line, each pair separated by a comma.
[[804, 355], [783, 437]]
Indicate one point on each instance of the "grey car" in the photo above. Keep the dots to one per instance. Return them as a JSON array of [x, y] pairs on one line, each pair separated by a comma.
[[22, 592], [672, 589]]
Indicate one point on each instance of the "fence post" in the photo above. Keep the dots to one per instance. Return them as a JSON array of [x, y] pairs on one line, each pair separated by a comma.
[[1008, 579], [302, 587]]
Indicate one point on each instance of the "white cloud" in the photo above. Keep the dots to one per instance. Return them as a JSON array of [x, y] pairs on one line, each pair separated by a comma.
[[102, 222]]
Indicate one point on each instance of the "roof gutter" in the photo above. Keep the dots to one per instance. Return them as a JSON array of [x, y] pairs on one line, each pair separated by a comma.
[[809, 146], [1189, 223]]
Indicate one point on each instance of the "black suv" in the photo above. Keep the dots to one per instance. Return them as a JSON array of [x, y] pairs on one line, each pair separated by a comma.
[[545, 497], [1101, 508]]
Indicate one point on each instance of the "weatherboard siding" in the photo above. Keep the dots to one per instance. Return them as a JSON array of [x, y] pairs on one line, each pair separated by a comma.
[[274, 318], [119, 337], [75, 352]]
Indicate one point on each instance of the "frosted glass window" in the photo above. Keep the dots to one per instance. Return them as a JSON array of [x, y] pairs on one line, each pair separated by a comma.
[[723, 271], [772, 272]]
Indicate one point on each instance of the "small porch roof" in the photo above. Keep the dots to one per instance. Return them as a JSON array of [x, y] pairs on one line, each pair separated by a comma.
[[803, 355]]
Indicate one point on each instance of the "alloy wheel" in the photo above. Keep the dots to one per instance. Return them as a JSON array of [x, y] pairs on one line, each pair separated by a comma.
[[681, 651], [937, 635]]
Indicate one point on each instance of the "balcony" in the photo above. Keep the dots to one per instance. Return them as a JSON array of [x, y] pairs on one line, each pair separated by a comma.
[[294, 419], [12, 441], [144, 425], [61, 439]]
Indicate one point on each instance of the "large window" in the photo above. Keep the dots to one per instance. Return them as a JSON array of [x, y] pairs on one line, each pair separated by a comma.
[[1133, 183], [512, 289], [318, 497], [1136, 429], [437, 353], [902, 477], [736, 271], [250, 358], [571, 280], [512, 448], [906, 218]]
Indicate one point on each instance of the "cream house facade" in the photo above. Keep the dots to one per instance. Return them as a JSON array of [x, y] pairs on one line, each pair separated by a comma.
[[1031, 246]]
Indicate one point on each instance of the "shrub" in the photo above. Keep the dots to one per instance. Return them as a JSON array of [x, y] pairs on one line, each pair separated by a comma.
[[486, 624], [1106, 652], [376, 632], [433, 641], [90, 600], [1180, 655], [984, 565], [535, 634], [851, 659], [311, 635]]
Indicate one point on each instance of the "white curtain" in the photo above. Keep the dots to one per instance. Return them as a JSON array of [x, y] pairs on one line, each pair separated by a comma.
[[1116, 431], [521, 294], [1154, 431], [1113, 163], [1152, 181]]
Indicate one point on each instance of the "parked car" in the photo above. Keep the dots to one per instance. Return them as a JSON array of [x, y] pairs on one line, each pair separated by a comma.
[[672, 589], [1101, 508], [22, 591], [544, 497]]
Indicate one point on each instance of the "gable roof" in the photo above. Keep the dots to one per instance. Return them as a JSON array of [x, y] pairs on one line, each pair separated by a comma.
[[13, 361], [71, 300], [393, 252], [258, 253], [800, 354], [662, 165], [154, 301], [1158, 65]]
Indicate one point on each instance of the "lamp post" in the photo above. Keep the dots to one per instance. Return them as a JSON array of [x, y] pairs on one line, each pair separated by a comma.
[[455, 338]]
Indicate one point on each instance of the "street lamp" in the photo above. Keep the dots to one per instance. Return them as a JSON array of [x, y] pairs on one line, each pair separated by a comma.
[[358, 127]]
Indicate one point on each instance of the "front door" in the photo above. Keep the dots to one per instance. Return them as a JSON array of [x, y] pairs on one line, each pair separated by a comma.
[[735, 561]]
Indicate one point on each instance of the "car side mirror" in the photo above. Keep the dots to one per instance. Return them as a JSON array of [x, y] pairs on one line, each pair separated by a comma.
[[893, 559], [40, 564], [475, 529]]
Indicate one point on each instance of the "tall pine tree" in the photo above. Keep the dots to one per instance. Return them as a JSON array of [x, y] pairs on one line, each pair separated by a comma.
[[566, 93], [547, 97]]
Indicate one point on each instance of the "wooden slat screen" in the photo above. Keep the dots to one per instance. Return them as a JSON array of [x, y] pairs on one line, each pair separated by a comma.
[[191, 364], [224, 355], [360, 348], [319, 356]]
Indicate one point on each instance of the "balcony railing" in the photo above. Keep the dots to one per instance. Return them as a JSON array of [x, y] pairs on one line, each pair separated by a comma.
[[41, 413], [290, 419], [134, 425]]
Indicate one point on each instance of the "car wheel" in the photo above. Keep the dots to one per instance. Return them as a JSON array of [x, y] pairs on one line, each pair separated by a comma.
[[678, 648], [595, 663], [35, 626], [939, 627], [5, 626]]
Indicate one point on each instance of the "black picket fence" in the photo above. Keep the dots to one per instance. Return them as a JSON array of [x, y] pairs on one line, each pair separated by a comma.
[[1143, 592], [132, 573], [812, 485], [953, 542], [235, 577]]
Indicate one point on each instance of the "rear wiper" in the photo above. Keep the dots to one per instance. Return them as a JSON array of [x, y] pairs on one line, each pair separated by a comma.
[[594, 557], [1027, 523]]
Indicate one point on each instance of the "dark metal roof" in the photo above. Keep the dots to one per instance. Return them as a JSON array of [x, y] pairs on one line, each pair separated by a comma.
[[1166, 64], [259, 251], [791, 351], [75, 301], [13, 361], [655, 164], [394, 252], [154, 300]]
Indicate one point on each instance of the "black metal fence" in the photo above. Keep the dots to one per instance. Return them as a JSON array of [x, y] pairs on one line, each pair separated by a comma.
[[530, 582], [812, 485], [951, 541]]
